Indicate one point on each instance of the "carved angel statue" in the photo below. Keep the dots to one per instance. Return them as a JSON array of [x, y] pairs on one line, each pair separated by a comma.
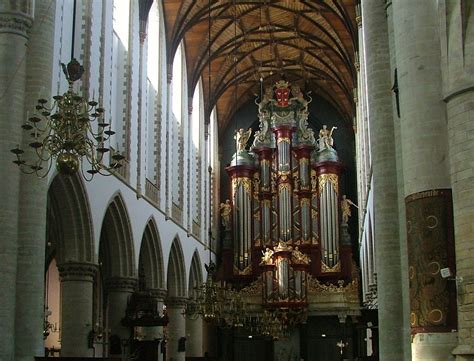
[[256, 183], [241, 137], [297, 183], [267, 256], [314, 181], [226, 210], [325, 140], [273, 182], [346, 204], [299, 257]]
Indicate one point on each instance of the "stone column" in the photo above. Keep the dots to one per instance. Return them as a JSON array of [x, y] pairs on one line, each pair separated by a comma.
[[194, 337], [153, 333], [176, 328], [461, 143], [209, 339], [458, 67], [15, 21], [401, 189], [119, 290], [32, 203], [426, 178], [77, 282], [374, 25]]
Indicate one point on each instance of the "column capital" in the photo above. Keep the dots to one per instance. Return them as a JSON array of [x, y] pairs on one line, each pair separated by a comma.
[[15, 23], [77, 271], [121, 284], [176, 302], [464, 350], [459, 89], [159, 293]]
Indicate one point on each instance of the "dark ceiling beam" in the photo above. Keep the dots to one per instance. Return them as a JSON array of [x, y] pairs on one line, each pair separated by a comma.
[[282, 8], [201, 63], [190, 24], [254, 31], [174, 39], [332, 73]]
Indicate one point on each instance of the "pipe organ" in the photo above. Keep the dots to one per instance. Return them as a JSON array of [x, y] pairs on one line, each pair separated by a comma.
[[285, 196]]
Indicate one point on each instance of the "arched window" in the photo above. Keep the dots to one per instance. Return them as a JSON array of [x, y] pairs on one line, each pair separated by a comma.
[[176, 127], [213, 178], [121, 21], [153, 56], [195, 154], [119, 74]]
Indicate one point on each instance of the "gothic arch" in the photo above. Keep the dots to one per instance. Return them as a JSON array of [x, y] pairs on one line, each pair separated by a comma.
[[176, 275], [195, 273], [69, 225], [116, 242], [151, 257]]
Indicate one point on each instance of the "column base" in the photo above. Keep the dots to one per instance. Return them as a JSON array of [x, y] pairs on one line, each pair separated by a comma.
[[434, 346]]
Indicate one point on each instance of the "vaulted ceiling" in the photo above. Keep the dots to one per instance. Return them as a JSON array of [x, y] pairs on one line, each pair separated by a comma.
[[255, 42]]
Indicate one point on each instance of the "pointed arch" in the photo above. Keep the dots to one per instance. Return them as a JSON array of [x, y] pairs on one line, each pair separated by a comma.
[[195, 273], [116, 242], [69, 224], [176, 274], [150, 261]]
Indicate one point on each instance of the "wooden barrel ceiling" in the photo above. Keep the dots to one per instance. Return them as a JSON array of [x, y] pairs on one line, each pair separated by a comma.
[[250, 42]]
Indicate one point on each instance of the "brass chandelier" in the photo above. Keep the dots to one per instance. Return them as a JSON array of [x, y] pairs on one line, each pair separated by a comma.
[[217, 303], [64, 133]]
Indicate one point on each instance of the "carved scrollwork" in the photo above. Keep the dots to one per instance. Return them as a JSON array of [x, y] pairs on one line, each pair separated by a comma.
[[16, 23], [246, 271], [326, 269], [245, 182], [328, 177], [315, 285], [253, 289]]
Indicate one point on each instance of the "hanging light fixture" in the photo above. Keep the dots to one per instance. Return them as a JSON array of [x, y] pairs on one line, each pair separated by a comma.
[[63, 132], [216, 303], [208, 299]]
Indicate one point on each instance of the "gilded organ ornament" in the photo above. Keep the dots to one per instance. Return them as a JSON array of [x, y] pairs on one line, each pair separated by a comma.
[[326, 269], [314, 181], [299, 257], [256, 185], [328, 177], [226, 211], [246, 183], [346, 204], [241, 137], [267, 257]]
